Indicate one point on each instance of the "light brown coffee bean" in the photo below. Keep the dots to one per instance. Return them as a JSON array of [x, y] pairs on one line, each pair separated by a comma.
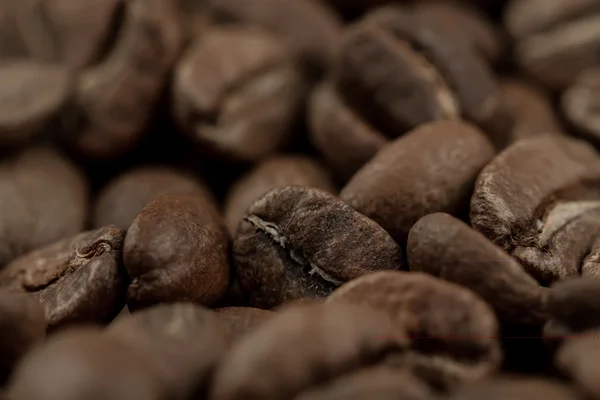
[[242, 320]]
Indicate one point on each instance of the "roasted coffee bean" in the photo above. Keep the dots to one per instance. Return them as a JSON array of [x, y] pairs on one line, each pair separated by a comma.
[[274, 172], [574, 306], [32, 95], [515, 388], [176, 250], [538, 200], [578, 358], [79, 279], [555, 40], [309, 27], [446, 247], [580, 104], [114, 100], [43, 198], [124, 197], [22, 326], [196, 18], [84, 364], [183, 341], [302, 242], [431, 169], [11, 44], [302, 347], [452, 332], [241, 320], [237, 93]]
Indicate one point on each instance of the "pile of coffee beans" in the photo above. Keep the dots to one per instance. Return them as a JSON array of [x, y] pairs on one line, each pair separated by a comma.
[[299, 199]]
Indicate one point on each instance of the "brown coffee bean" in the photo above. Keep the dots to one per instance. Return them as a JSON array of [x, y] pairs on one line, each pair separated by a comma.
[[11, 43], [580, 104], [517, 388], [196, 18], [343, 138], [176, 250], [124, 197], [302, 242], [22, 326], [32, 95], [453, 334], [79, 279], [431, 169], [274, 172], [310, 27], [184, 341], [115, 99], [302, 347], [380, 383], [237, 93], [242, 320], [43, 198], [578, 358], [446, 247], [84, 364], [556, 40], [574, 305], [538, 201]]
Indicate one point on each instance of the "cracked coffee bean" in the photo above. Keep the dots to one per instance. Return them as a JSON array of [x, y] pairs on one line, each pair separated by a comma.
[[182, 341], [581, 104], [446, 247], [431, 169], [303, 242], [77, 280], [237, 92], [538, 201], [120, 201], [176, 250], [22, 326], [274, 172], [452, 333], [242, 320], [302, 347]]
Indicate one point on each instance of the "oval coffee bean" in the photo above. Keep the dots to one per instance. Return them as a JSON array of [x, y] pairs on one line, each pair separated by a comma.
[[182, 340], [538, 201], [302, 242], [120, 201], [580, 104], [452, 332], [80, 279], [304, 346], [35, 187], [22, 326], [274, 172], [517, 388], [431, 169], [84, 364], [176, 250], [578, 359], [242, 320], [574, 305], [446, 247]]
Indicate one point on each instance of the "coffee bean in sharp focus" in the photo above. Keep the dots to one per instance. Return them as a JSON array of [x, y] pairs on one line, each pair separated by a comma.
[[299, 242], [176, 250], [77, 280], [431, 169]]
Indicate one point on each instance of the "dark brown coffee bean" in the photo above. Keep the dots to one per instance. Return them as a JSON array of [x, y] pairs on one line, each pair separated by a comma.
[[84, 364], [380, 383], [124, 197], [580, 104], [302, 347], [12, 45], [237, 93], [343, 138], [43, 198], [574, 305], [80, 279], [309, 27], [115, 99], [176, 250], [196, 18], [538, 200], [22, 326], [184, 341], [431, 169], [446, 247], [453, 334], [32, 95], [517, 388], [274, 172], [242, 320], [556, 40], [301, 242], [578, 358]]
